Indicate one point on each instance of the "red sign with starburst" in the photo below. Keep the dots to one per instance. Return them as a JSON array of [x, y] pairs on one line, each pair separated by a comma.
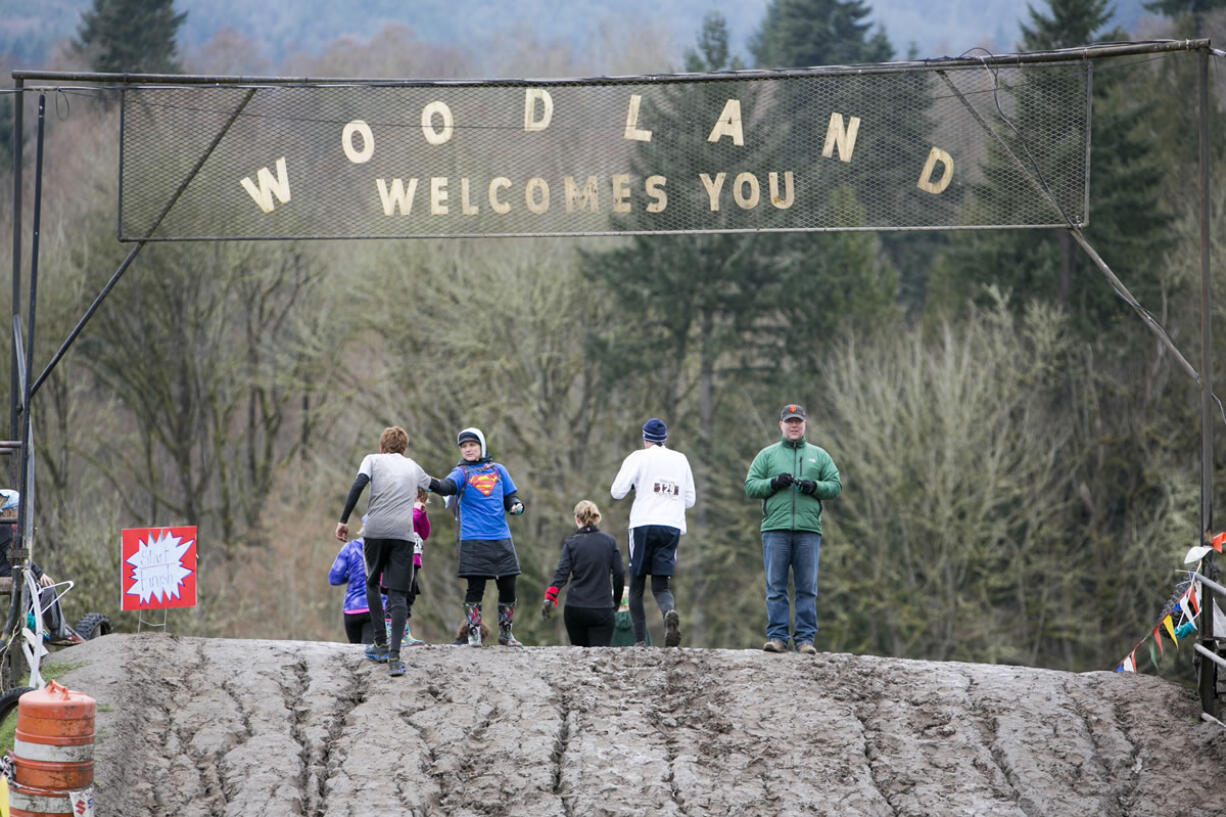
[[158, 568]]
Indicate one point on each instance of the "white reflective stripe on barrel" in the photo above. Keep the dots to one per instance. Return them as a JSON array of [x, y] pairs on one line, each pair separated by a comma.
[[26, 750], [38, 803]]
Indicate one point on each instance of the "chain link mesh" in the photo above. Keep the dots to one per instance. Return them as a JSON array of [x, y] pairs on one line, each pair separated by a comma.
[[912, 147]]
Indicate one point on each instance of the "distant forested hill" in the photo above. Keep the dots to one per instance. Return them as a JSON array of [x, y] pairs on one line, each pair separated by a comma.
[[31, 30]]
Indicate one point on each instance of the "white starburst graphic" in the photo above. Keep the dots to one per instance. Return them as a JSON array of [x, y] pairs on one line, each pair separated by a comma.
[[157, 567]]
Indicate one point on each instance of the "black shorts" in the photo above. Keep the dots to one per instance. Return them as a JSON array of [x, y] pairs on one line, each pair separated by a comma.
[[391, 558], [653, 550]]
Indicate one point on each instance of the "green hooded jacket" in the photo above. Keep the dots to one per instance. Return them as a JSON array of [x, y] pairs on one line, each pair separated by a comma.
[[789, 509]]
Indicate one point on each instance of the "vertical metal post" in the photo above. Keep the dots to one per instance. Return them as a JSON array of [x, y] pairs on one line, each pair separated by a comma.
[[1207, 681], [25, 508], [18, 126]]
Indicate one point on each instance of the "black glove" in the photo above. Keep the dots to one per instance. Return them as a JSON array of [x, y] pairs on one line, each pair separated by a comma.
[[780, 482], [516, 509], [434, 486], [806, 486]]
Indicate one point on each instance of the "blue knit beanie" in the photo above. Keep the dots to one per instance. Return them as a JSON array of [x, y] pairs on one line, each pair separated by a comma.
[[654, 431]]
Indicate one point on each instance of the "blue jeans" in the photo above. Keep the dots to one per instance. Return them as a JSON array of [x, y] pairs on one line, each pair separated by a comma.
[[798, 551]]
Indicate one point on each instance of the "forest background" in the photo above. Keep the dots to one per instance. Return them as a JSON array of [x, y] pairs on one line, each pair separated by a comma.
[[1020, 455]]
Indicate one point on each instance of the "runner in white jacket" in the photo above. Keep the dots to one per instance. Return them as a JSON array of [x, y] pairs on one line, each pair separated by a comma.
[[663, 488]]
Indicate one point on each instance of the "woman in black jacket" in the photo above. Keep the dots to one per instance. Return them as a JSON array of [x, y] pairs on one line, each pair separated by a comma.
[[594, 561]]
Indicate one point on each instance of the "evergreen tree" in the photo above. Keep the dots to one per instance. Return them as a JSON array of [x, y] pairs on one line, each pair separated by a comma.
[[803, 33], [799, 33], [1129, 222], [713, 52], [1070, 24], [130, 36], [1196, 10]]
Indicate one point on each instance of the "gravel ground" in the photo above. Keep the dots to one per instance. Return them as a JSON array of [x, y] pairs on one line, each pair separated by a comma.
[[248, 728]]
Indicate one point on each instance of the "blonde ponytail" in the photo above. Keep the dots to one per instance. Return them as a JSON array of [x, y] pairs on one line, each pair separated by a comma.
[[586, 512]]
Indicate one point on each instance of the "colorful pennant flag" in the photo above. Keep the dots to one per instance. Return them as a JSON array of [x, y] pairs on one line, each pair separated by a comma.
[[1170, 628]]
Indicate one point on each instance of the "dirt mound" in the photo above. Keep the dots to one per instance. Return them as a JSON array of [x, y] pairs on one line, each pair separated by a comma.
[[246, 728]]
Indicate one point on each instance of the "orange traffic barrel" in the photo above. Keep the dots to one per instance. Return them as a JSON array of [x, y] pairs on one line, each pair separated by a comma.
[[31, 801], [53, 750]]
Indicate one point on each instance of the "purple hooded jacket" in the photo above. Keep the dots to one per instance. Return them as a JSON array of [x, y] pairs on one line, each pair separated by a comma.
[[348, 567]]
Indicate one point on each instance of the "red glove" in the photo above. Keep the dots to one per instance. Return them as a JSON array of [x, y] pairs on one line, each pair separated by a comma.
[[549, 602]]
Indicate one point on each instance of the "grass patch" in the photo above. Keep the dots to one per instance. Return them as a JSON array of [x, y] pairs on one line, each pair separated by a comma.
[[52, 671], [49, 672]]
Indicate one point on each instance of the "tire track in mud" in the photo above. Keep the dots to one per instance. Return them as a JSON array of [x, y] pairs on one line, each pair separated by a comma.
[[562, 744], [164, 771], [859, 690], [605, 744], [1045, 732], [328, 748], [441, 776], [203, 746], [990, 762], [264, 766], [1118, 780], [294, 684], [671, 712], [1003, 777]]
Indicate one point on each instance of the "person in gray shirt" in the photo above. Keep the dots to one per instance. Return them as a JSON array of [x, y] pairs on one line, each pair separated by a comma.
[[394, 481]]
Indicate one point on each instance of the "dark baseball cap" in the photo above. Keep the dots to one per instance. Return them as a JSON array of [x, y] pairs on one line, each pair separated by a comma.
[[792, 412]]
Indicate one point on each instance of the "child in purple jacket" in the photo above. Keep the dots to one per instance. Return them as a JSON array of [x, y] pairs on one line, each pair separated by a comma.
[[349, 569]]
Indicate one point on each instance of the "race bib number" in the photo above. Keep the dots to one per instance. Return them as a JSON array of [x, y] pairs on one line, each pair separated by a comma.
[[666, 487]]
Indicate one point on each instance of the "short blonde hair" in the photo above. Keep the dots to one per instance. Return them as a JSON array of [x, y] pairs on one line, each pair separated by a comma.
[[587, 512], [393, 440]]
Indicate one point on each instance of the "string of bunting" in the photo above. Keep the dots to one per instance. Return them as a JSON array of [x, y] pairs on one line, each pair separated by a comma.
[[1179, 616]]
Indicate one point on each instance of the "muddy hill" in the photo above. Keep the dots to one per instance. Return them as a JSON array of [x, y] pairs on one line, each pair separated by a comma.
[[193, 726]]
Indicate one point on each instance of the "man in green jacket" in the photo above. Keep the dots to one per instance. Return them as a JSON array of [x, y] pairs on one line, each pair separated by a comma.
[[791, 478]]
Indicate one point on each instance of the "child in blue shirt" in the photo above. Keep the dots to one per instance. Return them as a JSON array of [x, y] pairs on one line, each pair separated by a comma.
[[481, 493]]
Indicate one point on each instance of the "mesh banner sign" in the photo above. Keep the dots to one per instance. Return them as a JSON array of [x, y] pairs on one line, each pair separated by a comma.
[[914, 146]]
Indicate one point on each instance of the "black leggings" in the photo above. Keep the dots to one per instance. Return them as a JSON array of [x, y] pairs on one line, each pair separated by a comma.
[[358, 628], [664, 598], [476, 589], [588, 626], [397, 611]]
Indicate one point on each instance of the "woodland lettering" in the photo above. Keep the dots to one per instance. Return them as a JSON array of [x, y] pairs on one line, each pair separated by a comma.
[[584, 192]]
